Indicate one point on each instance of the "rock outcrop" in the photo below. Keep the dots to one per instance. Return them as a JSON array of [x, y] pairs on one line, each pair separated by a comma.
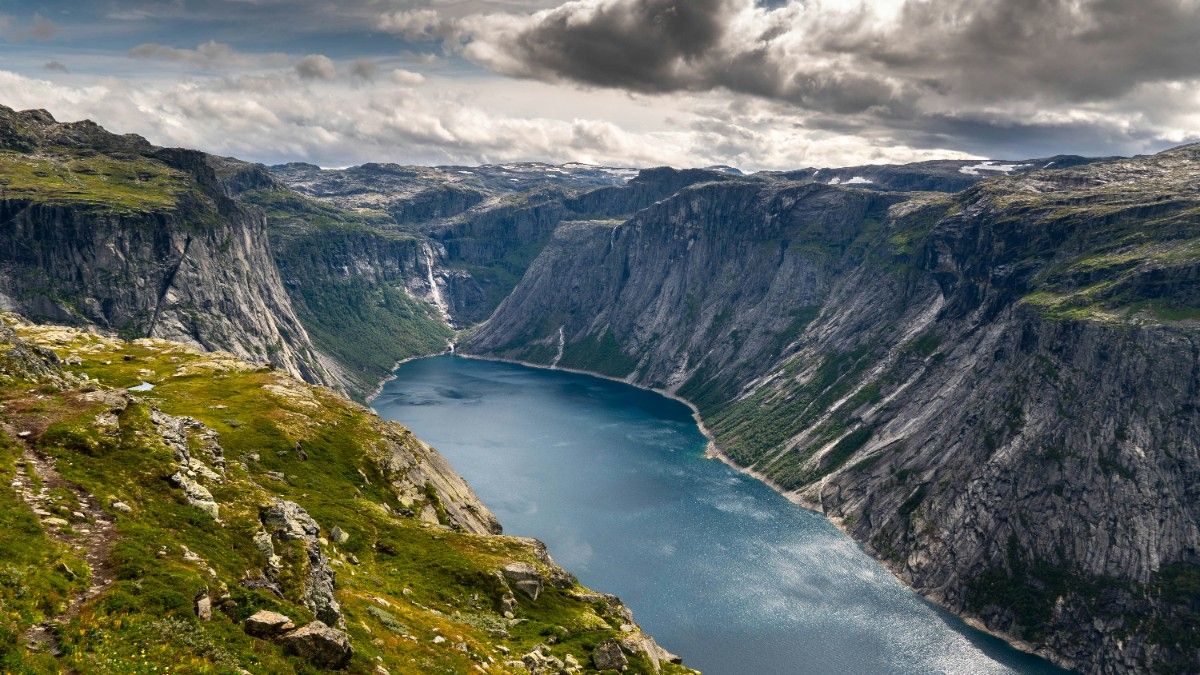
[[287, 521]]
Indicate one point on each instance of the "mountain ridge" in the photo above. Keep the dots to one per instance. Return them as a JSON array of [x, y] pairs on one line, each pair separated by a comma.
[[921, 366]]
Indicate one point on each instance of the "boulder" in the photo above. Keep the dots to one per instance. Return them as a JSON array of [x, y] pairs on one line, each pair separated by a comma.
[[608, 656], [339, 536], [268, 625], [508, 604], [320, 645], [204, 607], [525, 578], [288, 520]]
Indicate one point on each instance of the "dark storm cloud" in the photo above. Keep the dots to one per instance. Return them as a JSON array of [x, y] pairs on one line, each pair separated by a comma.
[[978, 49], [956, 70], [644, 45]]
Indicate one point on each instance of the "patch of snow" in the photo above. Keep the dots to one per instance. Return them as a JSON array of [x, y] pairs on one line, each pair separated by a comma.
[[835, 181], [859, 180], [974, 169], [144, 386], [1048, 165]]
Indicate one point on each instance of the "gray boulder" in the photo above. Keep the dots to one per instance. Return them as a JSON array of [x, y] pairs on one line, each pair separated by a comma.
[[320, 645], [525, 578], [608, 656], [288, 520], [268, 625]]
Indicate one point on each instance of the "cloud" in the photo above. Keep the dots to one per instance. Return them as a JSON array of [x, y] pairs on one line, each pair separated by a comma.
[[56, 66], [211, 55], [316, 67], [365, 69], [964, 73], [276, 117], [414, 24], [407, 77], [39, 28]]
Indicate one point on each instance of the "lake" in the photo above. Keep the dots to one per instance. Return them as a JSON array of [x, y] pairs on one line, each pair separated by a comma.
[[715, 565]]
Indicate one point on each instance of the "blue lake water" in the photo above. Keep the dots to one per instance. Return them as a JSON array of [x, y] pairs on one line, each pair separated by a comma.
[[717, 566]]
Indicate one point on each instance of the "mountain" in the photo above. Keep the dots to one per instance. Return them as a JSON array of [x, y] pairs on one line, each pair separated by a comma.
[[986, 372], [111, 231], [995, 391]]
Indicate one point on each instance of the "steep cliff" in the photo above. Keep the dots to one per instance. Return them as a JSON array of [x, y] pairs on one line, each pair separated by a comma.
[[479, 247], [995, 391], [231, 518], [108, 230]]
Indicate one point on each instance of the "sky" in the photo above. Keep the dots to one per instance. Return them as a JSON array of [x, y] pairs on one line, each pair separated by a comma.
[[756, 84]]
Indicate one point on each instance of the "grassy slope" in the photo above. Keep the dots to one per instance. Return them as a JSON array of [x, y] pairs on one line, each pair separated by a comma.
[[104, 183], [413, 581]]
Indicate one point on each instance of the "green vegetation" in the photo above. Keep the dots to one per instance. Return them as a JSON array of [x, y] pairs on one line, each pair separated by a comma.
[[754, 427], [368, 328], [601, 353], [37, 574], [366, 324], [98, 182], [401, 582]]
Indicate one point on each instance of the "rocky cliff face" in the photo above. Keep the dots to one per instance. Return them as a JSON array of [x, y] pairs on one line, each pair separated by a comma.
[[994, 391], [107, 230]]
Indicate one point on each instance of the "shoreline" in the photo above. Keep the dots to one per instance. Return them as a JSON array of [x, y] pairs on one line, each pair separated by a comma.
[[712, 451], [392, 373]]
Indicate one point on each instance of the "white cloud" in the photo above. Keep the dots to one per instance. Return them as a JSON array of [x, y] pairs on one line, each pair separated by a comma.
[[414, 24], [316, 67], [281, 117], [1008, 77], [407, 77]]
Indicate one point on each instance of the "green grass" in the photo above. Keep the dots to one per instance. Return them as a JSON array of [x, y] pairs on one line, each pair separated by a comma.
[[37, 574], [98, 181], [411, 582]]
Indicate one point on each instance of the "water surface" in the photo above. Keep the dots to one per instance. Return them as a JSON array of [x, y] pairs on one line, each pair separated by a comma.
[[717, 566]]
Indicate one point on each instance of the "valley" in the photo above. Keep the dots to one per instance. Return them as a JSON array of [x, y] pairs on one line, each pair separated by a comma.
[[987, 377]]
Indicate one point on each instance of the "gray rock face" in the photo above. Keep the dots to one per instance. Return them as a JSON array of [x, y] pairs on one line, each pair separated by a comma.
[[995, 392], [288, 520], [177, 434], [415, 470], [197, 271], [320, 645]]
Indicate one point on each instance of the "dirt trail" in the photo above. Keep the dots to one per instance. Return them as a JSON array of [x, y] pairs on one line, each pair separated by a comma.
[[83, 526]]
